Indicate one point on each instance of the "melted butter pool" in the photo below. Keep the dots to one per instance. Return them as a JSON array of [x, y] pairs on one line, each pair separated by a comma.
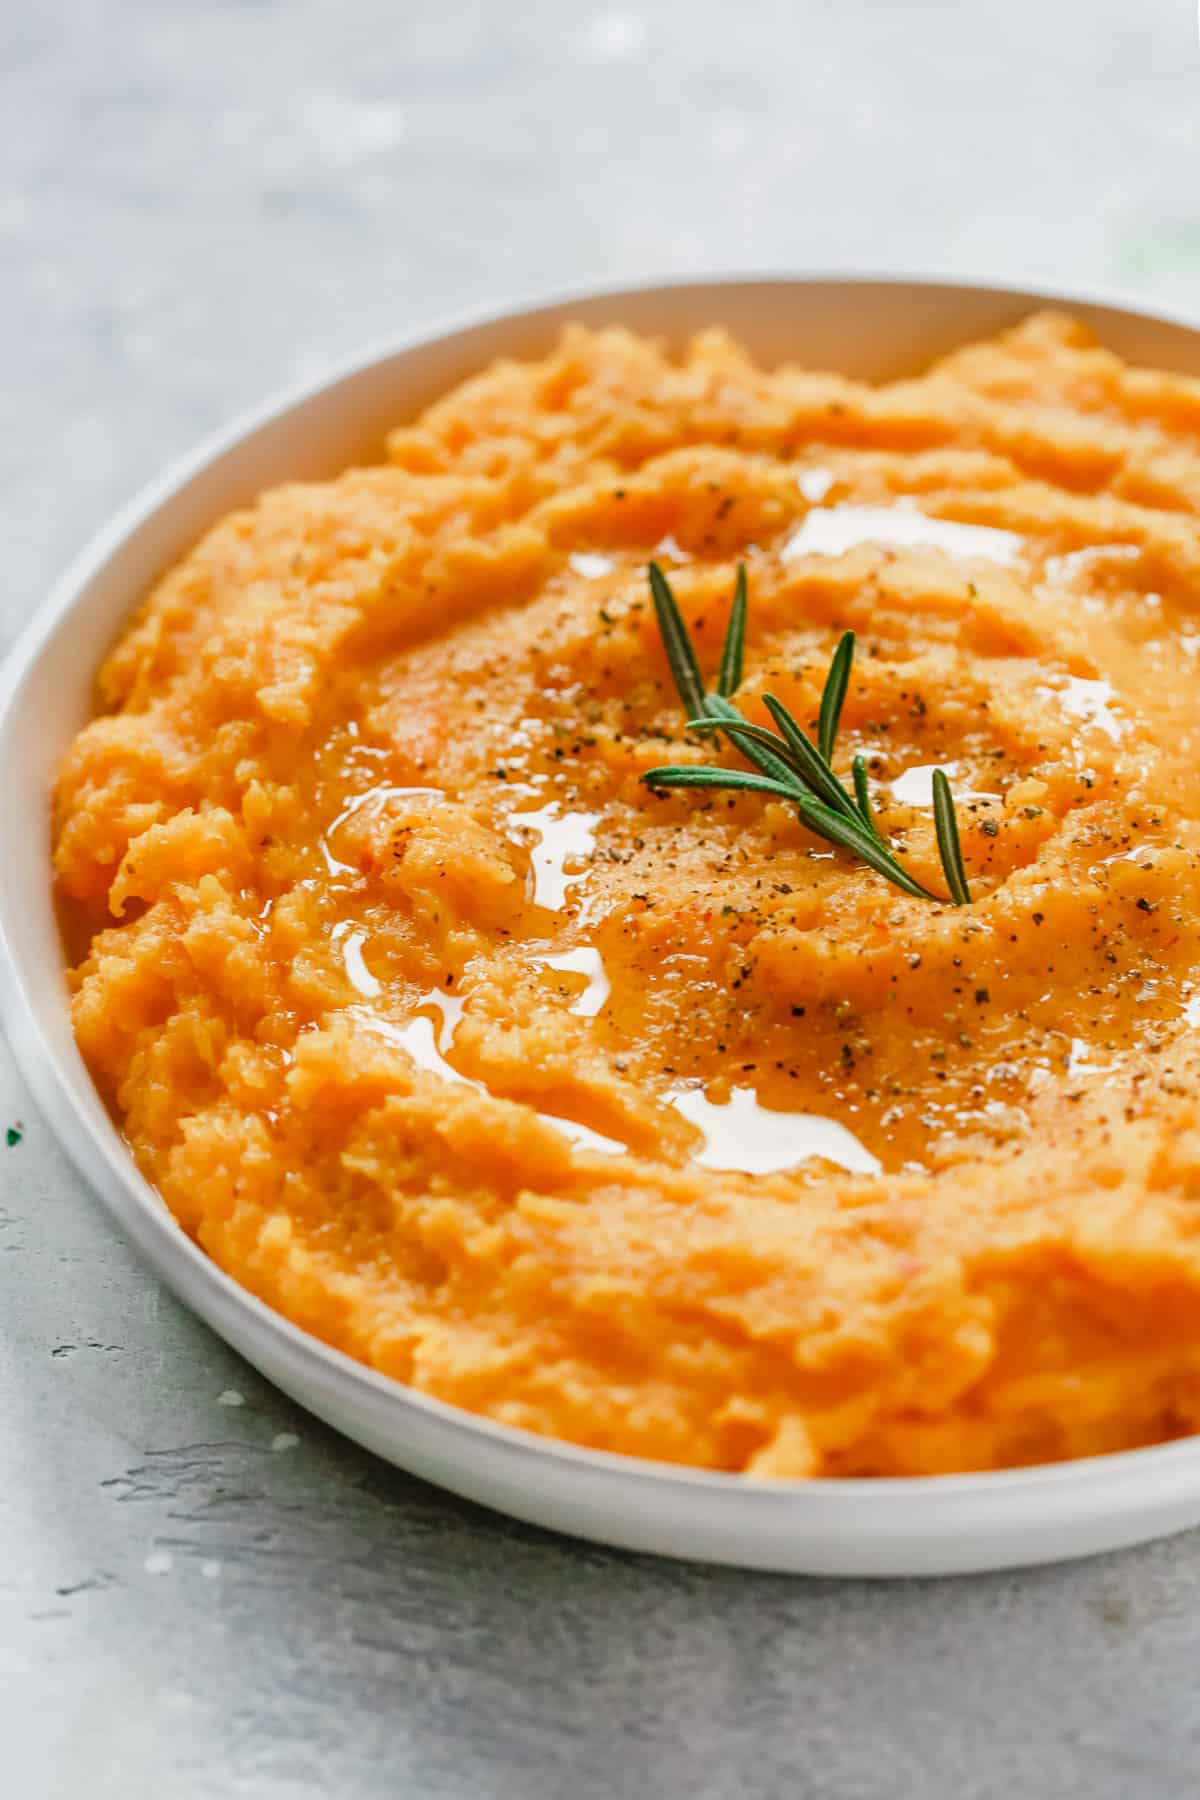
[[427, 1041], [587, 962], [752, 1139], [1090, 701], [373, 797], [559, 838], [915, 786], [591, 564], [357, 972], [832, 530]]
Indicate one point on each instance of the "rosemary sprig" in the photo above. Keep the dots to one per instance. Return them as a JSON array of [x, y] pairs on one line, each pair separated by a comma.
[[790, 766]]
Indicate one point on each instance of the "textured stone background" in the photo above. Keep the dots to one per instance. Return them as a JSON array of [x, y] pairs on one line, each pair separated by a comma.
[[200, 200]]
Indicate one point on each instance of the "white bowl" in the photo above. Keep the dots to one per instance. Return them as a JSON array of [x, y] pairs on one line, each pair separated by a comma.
[[939, 1525]]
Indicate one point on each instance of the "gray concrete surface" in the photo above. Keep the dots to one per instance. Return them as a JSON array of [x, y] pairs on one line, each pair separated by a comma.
[[202, 1592]]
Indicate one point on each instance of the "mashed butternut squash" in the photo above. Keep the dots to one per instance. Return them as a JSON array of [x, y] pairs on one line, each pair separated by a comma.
[[653, 1122]]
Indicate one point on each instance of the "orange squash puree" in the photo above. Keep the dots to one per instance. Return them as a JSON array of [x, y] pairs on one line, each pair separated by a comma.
[[652, 1122]]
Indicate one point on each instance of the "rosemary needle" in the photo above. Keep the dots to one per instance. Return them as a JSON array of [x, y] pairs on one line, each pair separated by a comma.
[[833, 696], [676, 642], [729, 677], [949, 848], [862, 794]]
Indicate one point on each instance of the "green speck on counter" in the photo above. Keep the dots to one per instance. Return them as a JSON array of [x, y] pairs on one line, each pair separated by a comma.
[[13, 1136]]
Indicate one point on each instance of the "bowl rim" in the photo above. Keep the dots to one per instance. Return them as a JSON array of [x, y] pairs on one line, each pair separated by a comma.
[[180, 1263]]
